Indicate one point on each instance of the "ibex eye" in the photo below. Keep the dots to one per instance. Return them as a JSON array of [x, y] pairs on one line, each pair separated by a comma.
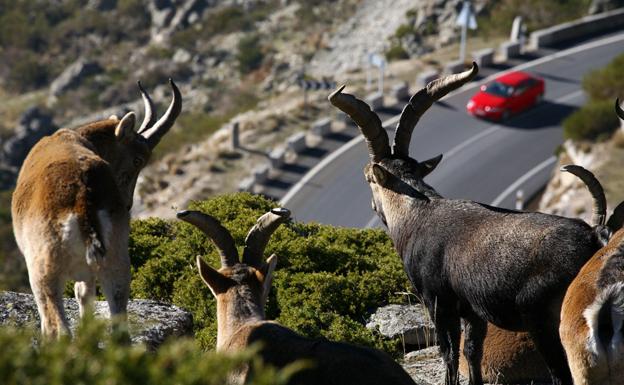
[[137, 162]]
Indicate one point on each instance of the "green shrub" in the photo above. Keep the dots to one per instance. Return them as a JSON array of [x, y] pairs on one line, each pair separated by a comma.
[[328, 280], [249, 54], [595, 121], [96, 357], [606, 83], [396, 52]]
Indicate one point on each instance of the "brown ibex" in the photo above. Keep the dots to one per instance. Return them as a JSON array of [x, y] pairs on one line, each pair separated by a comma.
[[241, 289], [592, 314], [469, 260], [71, 209]]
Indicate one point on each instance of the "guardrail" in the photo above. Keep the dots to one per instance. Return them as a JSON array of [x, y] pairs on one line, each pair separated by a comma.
[[589, 25]]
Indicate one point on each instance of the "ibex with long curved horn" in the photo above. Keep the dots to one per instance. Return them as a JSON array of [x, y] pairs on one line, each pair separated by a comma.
[[469, 260], [71, 209], [241, 289], [592, 314]]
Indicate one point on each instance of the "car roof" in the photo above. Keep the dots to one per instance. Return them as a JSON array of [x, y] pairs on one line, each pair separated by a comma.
[[513, 78]]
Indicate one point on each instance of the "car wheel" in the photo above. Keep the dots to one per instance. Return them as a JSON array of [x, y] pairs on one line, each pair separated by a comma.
[[539, 98], [505, 115]]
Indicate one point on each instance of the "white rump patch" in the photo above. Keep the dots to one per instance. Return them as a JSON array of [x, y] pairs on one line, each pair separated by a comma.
[[71, 236], [615, 347]]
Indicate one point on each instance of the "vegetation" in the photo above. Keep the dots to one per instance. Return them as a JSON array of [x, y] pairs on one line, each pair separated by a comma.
[[96, 357], [249, 54], [13, 274], [596, 121], [498, 17], [327, 282]]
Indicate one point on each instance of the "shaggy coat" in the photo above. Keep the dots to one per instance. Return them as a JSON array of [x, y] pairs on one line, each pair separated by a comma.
[[71, 207], [469, 260]]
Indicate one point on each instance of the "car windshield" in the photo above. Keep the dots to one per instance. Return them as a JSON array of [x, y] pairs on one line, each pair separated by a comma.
[[499, 89]]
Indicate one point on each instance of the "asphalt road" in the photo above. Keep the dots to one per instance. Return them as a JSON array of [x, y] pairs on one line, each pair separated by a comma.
[[483, 161]]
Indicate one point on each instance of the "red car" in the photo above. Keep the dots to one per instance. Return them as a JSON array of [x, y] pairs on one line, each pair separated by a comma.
[[507, 95]]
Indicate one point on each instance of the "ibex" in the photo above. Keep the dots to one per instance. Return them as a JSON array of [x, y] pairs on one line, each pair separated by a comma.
[[469, 260], [71, 209], [592, 314], [241, 289]]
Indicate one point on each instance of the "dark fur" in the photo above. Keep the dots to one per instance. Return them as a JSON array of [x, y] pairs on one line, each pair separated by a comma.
[[482, 263]]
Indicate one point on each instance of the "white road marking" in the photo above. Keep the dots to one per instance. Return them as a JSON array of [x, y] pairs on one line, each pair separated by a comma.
[[530, 174], [346, 147]]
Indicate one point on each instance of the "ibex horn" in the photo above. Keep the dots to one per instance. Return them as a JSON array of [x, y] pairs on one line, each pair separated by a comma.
[[220, 236], [599, 213], [421, 101], [150, 117], [618, 109], [259, 235], [154, 133], [368, 122]]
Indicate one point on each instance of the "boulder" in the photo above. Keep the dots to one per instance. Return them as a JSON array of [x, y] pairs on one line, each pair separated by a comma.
[[409, 321], [33, 125], [150, 322], [73, 75]]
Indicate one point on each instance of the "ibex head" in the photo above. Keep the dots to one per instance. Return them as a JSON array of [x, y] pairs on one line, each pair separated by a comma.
[[245, 283], [126, 150], [392, 172]]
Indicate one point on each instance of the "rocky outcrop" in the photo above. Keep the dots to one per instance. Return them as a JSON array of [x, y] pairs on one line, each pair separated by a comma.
[[73, 75], [33, 125], [150, 322], [410, 322]]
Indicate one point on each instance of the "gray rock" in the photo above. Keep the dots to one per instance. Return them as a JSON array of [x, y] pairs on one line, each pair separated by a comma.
[[410, 321], [33, 125], [73, 75], [150, 322], [426, 367]]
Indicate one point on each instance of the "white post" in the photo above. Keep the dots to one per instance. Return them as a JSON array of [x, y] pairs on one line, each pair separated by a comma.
[[519, 200], [381, 79], [462, 44]]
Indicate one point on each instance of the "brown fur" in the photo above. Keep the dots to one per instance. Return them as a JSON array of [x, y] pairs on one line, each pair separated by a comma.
[[71, 209], [508, 358], [574, 330]]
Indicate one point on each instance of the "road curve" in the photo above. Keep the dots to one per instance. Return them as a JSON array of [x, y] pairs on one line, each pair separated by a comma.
[[483, 161]]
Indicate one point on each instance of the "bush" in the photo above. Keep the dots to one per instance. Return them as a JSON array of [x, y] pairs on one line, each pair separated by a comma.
[[96, 358], [396, 52], [606, 83], [596, 121], [328, 280], [249, 54]]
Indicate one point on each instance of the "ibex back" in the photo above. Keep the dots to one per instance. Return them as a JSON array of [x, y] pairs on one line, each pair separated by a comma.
[[469, 260], [71, 209]]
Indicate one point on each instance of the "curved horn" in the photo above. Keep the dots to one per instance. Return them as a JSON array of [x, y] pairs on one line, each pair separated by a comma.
[[617, 218], [220, 236], [368, 122], [600, 203], [618, 109], [150, 116], [259, 235], [162, 126], [421, 101]]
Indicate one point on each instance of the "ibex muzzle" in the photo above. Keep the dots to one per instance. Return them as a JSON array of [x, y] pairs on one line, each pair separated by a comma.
[[469, 260], [71, 209]]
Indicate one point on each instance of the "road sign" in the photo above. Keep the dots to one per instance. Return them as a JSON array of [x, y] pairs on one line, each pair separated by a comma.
[[466, 17], [377, 60]]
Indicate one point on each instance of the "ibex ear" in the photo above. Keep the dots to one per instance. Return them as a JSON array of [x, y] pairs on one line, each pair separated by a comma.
[[125, 128], [267, 276], [429, 165], [380, 175], [217, 282]]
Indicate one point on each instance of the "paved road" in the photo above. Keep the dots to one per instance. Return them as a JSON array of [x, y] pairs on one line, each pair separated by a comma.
[[483, 161]]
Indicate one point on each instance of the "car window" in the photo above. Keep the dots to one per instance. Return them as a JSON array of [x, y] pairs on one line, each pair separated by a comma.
[[499, 89]]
